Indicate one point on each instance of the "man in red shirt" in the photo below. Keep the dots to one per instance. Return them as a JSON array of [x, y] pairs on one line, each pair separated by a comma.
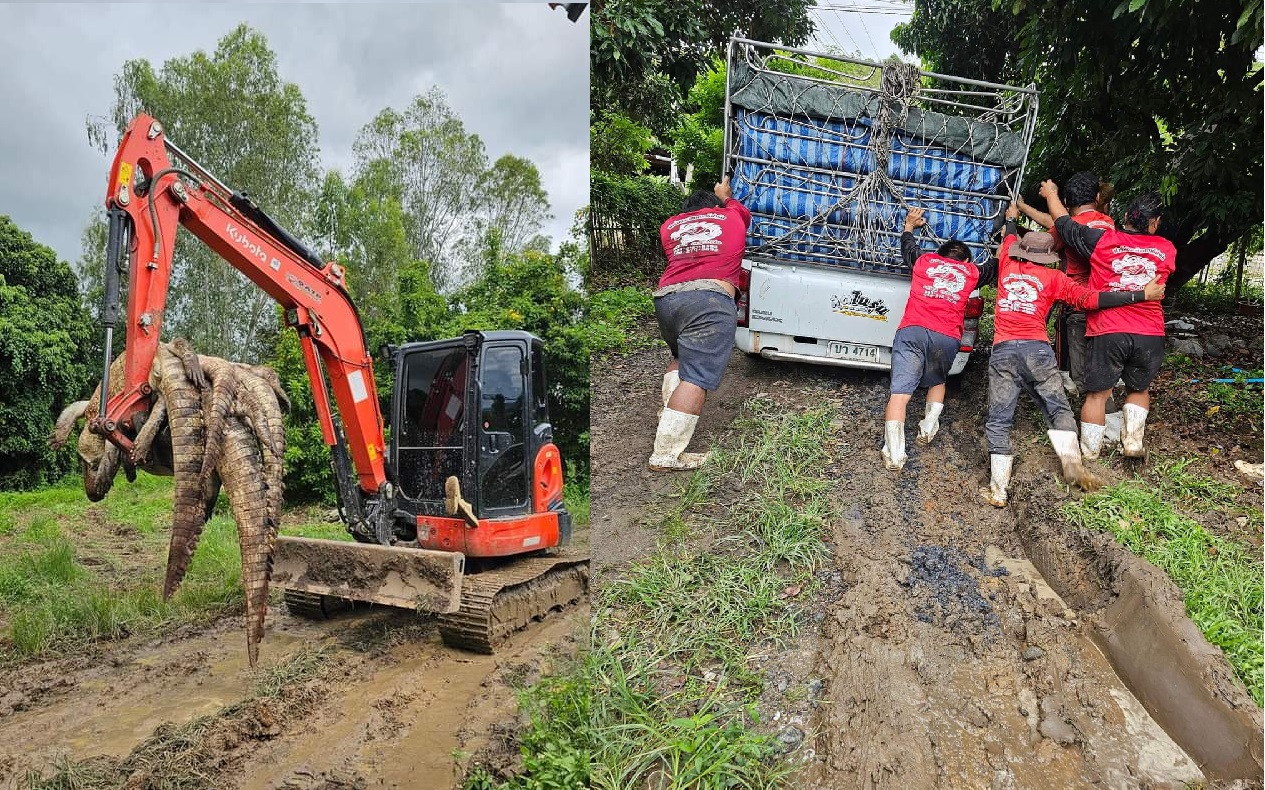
[[1083, 195], [1022, 359], [1125, 342], [929, 334], [697, 317]]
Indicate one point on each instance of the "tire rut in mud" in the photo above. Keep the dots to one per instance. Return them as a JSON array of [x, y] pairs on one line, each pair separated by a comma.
[[942, 657]]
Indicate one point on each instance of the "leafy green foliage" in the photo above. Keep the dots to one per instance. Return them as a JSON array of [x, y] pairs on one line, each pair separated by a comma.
[[699, 139], [235, 115], [1221, 580], [46, 356], [614, 313], [618, 145], [625, 217], [644, 54], [1142, 92]]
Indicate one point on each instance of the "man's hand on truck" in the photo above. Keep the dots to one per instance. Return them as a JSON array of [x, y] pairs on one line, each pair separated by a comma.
[[723, 190], [1012, 211], [914, 219]]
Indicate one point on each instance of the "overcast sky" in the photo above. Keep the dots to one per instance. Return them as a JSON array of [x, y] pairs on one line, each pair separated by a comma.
[[869, 34], [517, 74]]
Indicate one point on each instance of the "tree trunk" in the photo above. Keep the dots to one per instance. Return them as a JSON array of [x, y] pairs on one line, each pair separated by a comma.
[[1194, 256]]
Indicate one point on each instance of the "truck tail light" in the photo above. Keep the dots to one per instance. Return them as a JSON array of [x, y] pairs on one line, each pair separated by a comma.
[[744, 297], [974, 306]]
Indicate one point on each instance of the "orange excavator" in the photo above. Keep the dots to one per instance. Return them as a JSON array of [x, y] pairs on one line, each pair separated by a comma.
[[460, 512]]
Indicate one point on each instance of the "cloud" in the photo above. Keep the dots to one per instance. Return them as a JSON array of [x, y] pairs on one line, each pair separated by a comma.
[[516, 73]]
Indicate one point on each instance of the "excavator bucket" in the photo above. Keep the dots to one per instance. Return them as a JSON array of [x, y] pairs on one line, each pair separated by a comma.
[[321, 575]]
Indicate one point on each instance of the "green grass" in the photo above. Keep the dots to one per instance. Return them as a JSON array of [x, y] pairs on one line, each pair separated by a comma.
[[57, 604], [576, 495], [557, 742], [1220, 579], [674, 687], [73, 572], [1216, 295], [613, 314]]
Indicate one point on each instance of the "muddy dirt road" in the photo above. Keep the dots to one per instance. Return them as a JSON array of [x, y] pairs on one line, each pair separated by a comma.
[[955, 645], [389, 710]]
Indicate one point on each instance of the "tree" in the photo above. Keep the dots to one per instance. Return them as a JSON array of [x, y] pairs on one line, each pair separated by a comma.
[[232, 112], [1145, 93], [515, 203], [645, 54], [47, 357], [435, 167]]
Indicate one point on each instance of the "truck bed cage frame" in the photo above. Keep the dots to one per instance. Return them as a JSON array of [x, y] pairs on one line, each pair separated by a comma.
[[859, 226]]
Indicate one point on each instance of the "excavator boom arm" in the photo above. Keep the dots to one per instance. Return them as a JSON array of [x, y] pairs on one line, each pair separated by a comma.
[[148, 197]]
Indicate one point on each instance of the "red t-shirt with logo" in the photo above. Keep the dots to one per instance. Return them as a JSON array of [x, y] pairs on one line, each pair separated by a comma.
[[706, 244], [1025, 293], [1127, 262], [1077, 265], [938, 292]]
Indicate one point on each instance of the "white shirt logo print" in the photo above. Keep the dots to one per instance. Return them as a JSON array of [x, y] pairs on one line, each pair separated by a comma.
[[696, 236], [1134, 272], [1021, 291], [947, 282]]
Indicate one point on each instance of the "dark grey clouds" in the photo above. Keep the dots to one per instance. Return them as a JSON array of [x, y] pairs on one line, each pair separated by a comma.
[[517, 73]]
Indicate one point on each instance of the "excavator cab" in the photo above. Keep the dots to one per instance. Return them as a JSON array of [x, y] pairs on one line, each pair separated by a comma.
[[476, 408]]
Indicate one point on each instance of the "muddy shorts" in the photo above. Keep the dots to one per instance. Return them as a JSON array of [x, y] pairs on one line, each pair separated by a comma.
[[1018, 366], [920, 358], [698, 327], [1122, 355]]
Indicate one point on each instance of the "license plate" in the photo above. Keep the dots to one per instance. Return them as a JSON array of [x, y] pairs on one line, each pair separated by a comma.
[[853, 351]]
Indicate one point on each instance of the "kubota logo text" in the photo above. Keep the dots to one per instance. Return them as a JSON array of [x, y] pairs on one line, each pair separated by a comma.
[[252, 247]]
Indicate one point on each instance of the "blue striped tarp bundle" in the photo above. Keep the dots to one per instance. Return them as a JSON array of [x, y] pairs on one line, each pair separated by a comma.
[[791, 171]]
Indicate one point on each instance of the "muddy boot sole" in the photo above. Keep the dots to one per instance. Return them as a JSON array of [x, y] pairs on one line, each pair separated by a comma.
[[986, 495]]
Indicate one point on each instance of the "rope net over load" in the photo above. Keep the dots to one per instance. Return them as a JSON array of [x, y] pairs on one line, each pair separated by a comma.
[[829, 153]]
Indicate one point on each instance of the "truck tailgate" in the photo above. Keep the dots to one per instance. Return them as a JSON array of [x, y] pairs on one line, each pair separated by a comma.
[[814, 305]]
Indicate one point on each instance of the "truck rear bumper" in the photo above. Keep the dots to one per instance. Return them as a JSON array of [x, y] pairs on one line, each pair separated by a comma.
[[787, 349]]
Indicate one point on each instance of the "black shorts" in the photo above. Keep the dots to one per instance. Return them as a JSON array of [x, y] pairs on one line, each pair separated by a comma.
[[921, 358], [1121, 355], [698, 327]]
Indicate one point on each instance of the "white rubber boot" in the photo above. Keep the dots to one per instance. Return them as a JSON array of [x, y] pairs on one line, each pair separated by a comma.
[[675, 430], [1113, 428], [930, 425], [999, 480], [1091, 440], [670, 380], [1069, 453], [894, 457], [1134, 428]]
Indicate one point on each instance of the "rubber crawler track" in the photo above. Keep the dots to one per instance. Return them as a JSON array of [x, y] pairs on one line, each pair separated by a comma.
[[496, 603]]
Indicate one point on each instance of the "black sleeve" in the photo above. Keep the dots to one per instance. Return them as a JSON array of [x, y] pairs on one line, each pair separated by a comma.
[[909, 250], [987, 273], [1081, 238], [1117, 298]]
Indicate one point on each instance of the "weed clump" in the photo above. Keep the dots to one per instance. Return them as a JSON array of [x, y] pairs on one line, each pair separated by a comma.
[[1221, 580]]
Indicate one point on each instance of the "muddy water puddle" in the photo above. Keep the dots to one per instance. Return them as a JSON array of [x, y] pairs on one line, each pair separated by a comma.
[[114, 707], [396, 721]]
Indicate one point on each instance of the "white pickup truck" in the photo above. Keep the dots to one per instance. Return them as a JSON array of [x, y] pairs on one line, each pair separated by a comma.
[[828, 153]]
